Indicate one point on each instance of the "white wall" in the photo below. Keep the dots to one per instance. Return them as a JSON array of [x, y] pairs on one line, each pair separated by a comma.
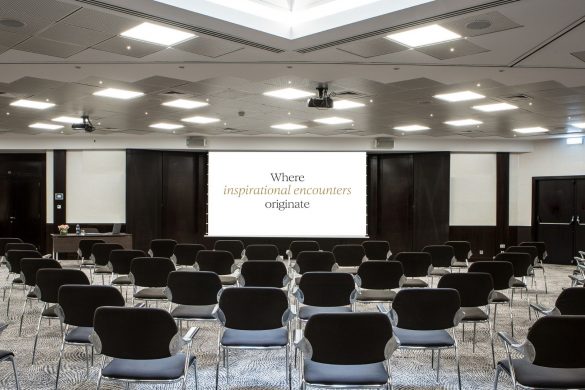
[[96, 186], [473, 190], [549, 158]]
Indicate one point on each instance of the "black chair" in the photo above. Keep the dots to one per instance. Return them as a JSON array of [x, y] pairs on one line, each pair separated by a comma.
[[377, 250], [502, 273], [541, 256], [552, 354], [571, 301], [84, 253], [184, 255], [235, 247], [332, 359], [143, 344], [28, 274], [252, 318], [324, 292], [377, 279], [47, 290], [20, 246], [120, 263], [162, 248], [13, 257], [194, 295], [475, 289], [522, 264], [76, 307], [415, 265], [532, 251], [299, 246], [422, 317], [462, 250], [3, 242], [442, 256], [261, 252], [8, 356], [264, 273], [219, 261], [151, 274], [349, 257], [311, 261], [100, 254]]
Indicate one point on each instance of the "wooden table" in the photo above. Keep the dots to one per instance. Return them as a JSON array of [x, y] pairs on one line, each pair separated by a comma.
[[69, 243]]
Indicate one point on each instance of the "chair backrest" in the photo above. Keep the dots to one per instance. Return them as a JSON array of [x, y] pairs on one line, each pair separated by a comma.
[[7, 240], [502, 272], [101, 252], [474, 288], [21, 246], [557, 341], [540, 247], [13, 257], [349, 255], [121, 259], [370, 333], [312, 261], [151, 271], [462, 249], [571, 301], [530, 250], [380, 274], [253, 308], [522, 262], [441, 255], [135, 333], [78, 303], [377, 250], [218, 261], [49, 280], [415, 264], [185, 254], [235, 247], [263, 273], [261, 252], [426, 308], [327, 289], [29, 268], [162, 248], [197, 288], [299, 246], [85, 246]]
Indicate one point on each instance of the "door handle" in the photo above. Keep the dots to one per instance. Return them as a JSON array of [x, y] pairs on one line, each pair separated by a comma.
[[556, 223], [579, 222], [12, 218]]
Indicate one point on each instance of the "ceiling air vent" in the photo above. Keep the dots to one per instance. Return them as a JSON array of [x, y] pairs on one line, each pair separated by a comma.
[[521, 97]]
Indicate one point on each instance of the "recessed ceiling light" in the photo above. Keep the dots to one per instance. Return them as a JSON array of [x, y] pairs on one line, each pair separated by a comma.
[[579, 125], [288, 126], [464, 122], [531, 130], [185, 103], [495, 107], [411, 128], [422, 36], [118, 93], [346, 104], [159, 35], [166, 126], [334, 120], [68, 119], [45, 126], [202, 120], [289, 93], [32, 104], [575, 141], [459, 96]]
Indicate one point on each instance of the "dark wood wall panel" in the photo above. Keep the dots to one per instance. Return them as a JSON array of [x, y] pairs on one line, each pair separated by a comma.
[[179, 186], [482, 238], [502, 199], [60, 186]]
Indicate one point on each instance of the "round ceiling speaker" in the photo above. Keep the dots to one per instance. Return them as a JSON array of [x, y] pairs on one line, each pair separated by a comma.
[[479, 25], [12, 23]]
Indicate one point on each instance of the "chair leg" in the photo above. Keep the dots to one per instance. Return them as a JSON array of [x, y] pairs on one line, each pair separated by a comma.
[[497, 377], [458, 366], [8, 303], [544, 277], [438, 364], [463, 333], [59, 363], [87, 361], [511, 317], [15, 373], [37, 335], [217, 367], [492, 342], [21, 316], [227, 366], [473, 343]]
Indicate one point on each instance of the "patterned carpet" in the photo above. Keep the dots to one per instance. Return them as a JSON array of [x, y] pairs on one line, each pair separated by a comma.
[[258, 369]]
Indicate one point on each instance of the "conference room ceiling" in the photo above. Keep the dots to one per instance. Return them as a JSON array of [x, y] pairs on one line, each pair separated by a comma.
[[528, 53]]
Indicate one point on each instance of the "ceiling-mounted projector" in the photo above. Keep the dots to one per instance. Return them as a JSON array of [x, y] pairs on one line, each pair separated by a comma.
[[323, 101], [86, 125]]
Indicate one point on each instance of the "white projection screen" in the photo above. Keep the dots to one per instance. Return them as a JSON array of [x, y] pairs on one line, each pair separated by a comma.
[[287, 194]]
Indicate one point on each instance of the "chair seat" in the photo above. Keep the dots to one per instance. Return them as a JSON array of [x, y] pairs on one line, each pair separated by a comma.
[[367, 295], [423, 338], [356, 375], [498, 297], [459, 264], [122, 279], [50, 312], [348, 269], [170, 368], [517, 283], [440, 272], [306, 312], [196, 312], [79, 334], [102, 270], [474, 314], [32, 295], [17, 280], [151, 293], [255, 338], [5, 354], [228, 280], [531, 375], [414, 283], [87, 263]]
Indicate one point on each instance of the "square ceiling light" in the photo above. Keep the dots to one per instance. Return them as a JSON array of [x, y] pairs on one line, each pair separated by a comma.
[[531, 130], [116, 93], [461, 96], [346, 104], [464, 122], [185, 103], [334, 120], [412, 128], [495, 107], [289, 94], [201, 120], [166, 126], [579, 125], [32, 104], [68, 119], [288, 126], [424, 36], [160, 35], [45, 126]]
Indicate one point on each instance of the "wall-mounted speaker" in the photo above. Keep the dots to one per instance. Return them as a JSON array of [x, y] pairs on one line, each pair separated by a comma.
[[384, 143], [196, 142]]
